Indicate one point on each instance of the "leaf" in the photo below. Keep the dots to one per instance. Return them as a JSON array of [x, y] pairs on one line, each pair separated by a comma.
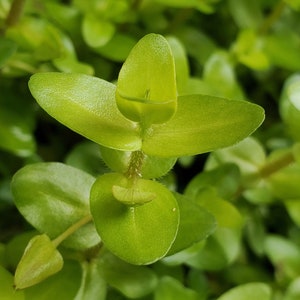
[[87, 105], [224, 178], [54, 193], [93, 286], [249, 155], [293, 208], [7, 290], [7, 49], [96, 32], [289, 107], [170, 288], [153, 167], [39, 261], [248, 291], [284, 255], [62, 285], [146, 89], [195, 224], [132, 281], [137, 234], [202, 124]]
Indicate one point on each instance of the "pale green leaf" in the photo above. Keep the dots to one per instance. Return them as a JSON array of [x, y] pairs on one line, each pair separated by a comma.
[[40, 260], [54, 193], [202, 124], [86, 105], [137, 234], [7, 287], [248, 291], [146, 89]]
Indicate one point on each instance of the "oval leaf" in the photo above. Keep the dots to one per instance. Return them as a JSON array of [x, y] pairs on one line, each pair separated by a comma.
[[146, 89], [39, 261], [52, 197], [87, 105], [137, 234], [248, 291], [201, 124]]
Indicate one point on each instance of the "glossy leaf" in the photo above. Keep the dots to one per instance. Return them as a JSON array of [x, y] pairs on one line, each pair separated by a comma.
[[93, 286], [53, 193], [62, 285], [201, 124], [132, 281], [96, 32], [195, 224], [289, 107], [220, 250], [284, 255], [91, 109], [170, 288], [7, 289], [137, 234], [225, 179], [248, 291], [7, 49], [153, 167], [40, 260], [146, 90], [249, 155]]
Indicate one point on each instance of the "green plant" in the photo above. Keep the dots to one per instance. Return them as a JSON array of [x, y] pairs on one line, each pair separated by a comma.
[[140, 211], [141, 119]]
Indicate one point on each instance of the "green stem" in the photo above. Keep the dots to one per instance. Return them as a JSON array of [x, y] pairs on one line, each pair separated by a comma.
[[71, 230], [277, 164], [15, 12], [135, 165], [272, 17]]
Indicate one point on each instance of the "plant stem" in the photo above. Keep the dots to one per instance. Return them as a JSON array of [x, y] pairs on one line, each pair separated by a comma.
[[15, 12], [72, 229], [272, 17], [277, 164], [135, 165]]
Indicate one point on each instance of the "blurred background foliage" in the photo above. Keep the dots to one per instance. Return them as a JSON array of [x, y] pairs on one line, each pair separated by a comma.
[[236, 49]]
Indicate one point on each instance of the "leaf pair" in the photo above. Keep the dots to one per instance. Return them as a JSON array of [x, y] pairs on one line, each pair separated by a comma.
[[142, 112]]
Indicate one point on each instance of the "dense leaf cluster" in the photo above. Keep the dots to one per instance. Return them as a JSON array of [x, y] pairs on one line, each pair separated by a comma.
[[126, 205]]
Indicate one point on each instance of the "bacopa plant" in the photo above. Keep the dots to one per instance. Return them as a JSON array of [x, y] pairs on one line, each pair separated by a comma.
[[127, 215]]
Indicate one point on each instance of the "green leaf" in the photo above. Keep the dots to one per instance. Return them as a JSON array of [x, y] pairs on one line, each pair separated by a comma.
[[7, 49], [225, 179], [284, 255], [248, 291], [118, 47], [15, 127], [62, 285], [93, 286], [86, 156], [146, 90], [91, 108], [181, 63], [170, 288], [54, 196], [7, 289], [249, 155], [289, 107], [39, 261], [293, 208], [192, 216], [153, 167], [132, 281], [96, 32], [220, 250], [293, 290], [225, 213], [202, 124], [285, 183], [137, 234]]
